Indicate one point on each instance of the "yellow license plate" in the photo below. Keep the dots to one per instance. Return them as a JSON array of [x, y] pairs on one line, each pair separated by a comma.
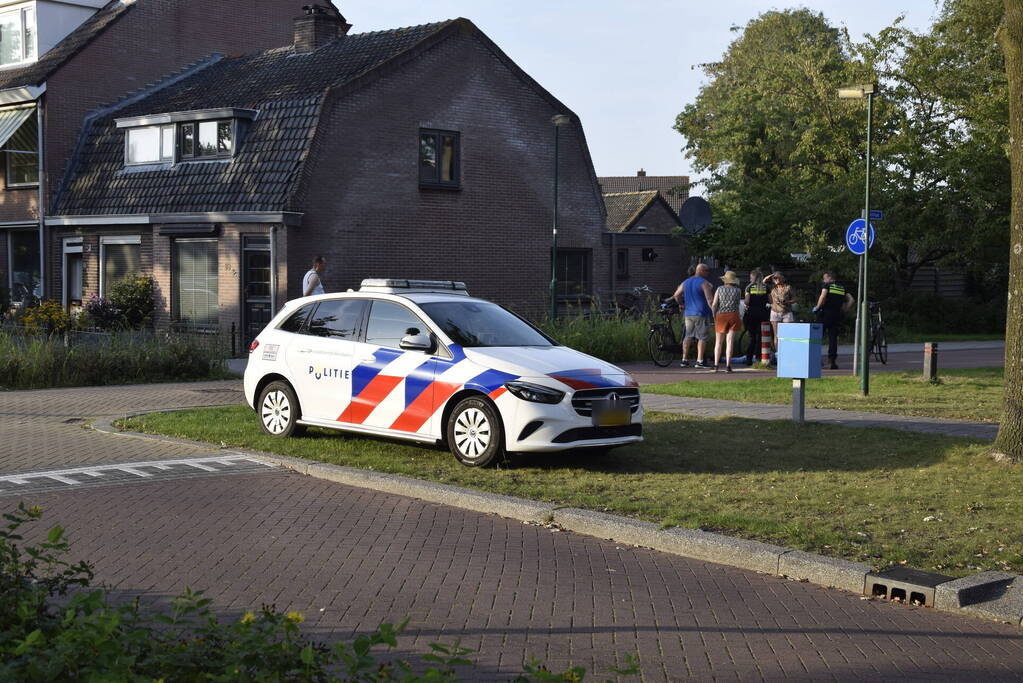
[[614, 418]]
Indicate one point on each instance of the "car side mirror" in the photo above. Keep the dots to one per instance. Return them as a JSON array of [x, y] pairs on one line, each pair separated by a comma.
[[416, 342]]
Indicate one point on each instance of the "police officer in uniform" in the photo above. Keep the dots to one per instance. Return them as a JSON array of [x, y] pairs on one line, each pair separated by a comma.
[[757, 312], [831, 308]]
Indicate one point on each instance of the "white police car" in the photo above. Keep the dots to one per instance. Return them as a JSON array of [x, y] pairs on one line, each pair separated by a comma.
[[423, 361]]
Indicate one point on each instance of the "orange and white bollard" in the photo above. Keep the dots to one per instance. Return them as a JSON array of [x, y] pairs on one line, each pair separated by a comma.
[[765, 342]]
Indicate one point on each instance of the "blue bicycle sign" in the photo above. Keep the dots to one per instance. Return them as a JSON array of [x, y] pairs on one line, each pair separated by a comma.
[[856, 237]]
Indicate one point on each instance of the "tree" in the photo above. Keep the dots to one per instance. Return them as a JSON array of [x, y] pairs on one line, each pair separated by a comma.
[[1009, 442], [776, 142], [785, 156]]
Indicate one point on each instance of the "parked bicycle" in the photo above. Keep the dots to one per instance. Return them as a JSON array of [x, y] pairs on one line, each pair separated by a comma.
[[637, 302], [662, 341], [878, 339]]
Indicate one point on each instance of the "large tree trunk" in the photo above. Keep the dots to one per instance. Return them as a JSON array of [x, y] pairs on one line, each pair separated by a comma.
[[1010, 434]]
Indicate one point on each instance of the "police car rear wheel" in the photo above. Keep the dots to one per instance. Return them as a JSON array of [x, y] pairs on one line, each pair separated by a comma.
[[474, 433], [278, 410]]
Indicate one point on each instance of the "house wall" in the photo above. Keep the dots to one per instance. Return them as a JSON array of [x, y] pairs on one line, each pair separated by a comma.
[[157, 262], [657, 218], [155, 38], [661, 275], [364, 209]]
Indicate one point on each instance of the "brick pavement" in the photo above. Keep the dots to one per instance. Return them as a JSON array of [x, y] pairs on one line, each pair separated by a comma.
[[349, 558], [44, 429], [707, 407]]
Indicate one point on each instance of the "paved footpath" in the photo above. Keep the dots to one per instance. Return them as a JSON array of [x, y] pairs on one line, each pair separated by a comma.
[[350, 558], [709, 407]]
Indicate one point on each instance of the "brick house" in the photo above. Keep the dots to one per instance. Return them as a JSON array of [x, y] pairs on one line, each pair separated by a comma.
[[643, 238], [60, 60], [420, 152]]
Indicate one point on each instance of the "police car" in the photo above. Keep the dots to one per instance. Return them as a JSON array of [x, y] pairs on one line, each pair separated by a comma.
[[423, 361]]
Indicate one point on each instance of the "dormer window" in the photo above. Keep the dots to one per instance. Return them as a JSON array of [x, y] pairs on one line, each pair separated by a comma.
[[17, 36], [184, 136]]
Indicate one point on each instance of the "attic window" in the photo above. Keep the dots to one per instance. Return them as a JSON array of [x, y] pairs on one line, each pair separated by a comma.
[[183, 136], [17, 36]]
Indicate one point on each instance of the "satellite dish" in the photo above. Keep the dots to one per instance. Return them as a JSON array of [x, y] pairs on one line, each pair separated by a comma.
[[695, 215]]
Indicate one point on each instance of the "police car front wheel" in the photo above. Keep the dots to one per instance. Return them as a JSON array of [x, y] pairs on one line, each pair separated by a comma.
[[474, 433], [279, 412]]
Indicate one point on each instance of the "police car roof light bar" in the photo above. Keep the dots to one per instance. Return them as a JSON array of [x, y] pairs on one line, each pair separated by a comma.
[[387, 284]]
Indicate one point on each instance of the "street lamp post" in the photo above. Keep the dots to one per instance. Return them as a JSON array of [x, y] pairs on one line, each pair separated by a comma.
[[859, 92], [558, 120]]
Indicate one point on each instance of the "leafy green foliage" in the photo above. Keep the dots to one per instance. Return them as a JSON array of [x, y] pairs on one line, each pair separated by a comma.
[[132, 297], [54, 627], [786, 156], [37, 362]]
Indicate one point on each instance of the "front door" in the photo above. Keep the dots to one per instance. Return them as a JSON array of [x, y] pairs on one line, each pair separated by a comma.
[[256, 311]]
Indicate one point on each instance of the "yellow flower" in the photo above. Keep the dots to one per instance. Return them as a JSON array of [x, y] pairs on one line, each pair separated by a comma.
[[294, 617], [248, 618]]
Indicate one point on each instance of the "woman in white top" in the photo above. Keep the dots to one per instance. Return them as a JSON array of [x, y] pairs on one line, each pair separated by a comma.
[[312, 283]]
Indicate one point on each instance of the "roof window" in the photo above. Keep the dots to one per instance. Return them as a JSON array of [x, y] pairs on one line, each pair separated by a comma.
[[184, 136]]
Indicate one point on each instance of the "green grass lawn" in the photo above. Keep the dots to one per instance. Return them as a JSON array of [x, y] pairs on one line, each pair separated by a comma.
[[861, 494], [973, 394]]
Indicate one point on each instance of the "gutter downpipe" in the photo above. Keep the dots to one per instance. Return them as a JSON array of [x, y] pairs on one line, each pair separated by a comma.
[[273, 270], [42, 198]]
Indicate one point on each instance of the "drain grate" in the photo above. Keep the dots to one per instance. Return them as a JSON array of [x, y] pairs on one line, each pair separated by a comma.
[[910, 586]]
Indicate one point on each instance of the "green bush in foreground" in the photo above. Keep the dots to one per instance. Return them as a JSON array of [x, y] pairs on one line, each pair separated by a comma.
[[54, 627], [37, 362]]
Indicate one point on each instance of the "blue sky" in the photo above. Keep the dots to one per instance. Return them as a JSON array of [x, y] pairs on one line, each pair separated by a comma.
[[626, 68]]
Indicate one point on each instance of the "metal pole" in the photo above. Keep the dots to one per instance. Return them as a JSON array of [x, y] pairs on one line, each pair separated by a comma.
[[856, 334], [554, 233], [864, 308], [798, 400], [41, 122]]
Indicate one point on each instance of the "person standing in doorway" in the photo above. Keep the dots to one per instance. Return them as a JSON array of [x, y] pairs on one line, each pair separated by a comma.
[[695, 294], [312, 283], [832, 305], [757, 312], [726, 318]]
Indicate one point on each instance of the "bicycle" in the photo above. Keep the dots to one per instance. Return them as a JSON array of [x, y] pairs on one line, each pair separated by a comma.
[[636, 303], [663, 343], [878, 339]]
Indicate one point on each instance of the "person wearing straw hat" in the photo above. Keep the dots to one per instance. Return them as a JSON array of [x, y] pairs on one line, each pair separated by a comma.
[[782, 297], [726, 318]]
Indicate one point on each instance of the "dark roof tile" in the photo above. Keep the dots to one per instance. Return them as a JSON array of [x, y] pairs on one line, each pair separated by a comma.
[[287, 90]]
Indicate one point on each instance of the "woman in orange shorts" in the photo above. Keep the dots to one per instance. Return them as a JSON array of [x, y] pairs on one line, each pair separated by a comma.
[[726, 318]]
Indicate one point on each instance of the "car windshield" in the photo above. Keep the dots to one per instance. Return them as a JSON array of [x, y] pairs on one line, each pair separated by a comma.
[[479, 323]]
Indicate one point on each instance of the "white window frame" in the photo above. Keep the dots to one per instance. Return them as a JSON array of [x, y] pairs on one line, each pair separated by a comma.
[[103, 241], [25, 59], [164, 132], [71, 245]]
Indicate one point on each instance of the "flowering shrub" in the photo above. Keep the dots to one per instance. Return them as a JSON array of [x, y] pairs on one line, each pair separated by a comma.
[[100, 312], [48, 317]]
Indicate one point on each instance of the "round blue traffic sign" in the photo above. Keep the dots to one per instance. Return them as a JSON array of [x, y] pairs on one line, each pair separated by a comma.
[[855, 236]]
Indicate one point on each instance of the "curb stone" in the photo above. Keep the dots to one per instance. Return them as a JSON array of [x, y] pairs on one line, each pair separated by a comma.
[[987, 595]]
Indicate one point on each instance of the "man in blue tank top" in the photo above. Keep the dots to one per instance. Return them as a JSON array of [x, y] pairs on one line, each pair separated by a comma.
[[696, 293]]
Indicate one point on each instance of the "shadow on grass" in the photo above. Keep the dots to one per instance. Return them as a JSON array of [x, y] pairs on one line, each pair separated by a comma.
[[737, 445]]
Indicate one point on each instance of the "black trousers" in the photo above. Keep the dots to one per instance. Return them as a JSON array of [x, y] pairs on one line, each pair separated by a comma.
[[753, 333], [832, 328]]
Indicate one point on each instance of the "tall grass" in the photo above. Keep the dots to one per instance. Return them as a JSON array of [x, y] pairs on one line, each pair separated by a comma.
[[614, 339], [34, 362]]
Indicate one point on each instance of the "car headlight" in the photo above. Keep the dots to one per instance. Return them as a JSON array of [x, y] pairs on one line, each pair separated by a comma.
[[536, 393]]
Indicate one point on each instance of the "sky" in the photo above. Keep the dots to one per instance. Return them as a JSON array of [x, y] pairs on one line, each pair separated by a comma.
[[626, 68]]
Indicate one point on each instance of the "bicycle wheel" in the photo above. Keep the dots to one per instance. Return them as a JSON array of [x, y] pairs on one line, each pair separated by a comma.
[[881, 346], [659, 342]]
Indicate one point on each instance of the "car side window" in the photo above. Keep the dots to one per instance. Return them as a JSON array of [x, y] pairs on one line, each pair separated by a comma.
[[297, 319], [389, 322], [337, 319]]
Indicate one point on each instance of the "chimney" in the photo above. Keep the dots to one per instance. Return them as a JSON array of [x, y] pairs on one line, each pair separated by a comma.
[[317, 27], [640, 173]]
